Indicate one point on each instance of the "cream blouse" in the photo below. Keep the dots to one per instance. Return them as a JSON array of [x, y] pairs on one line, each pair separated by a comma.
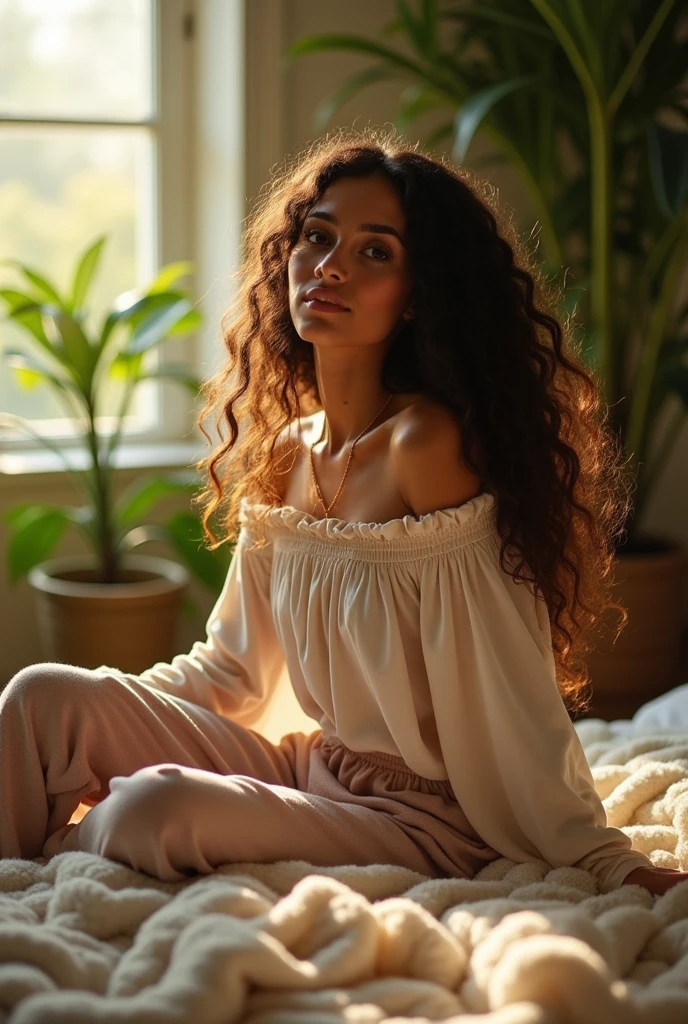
[[408, 638]]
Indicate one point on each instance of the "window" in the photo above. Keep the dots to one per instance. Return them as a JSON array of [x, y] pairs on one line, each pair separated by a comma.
[[94, 138]]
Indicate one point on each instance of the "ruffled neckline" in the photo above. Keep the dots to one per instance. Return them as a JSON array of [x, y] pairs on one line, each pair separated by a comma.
[[474, 517]]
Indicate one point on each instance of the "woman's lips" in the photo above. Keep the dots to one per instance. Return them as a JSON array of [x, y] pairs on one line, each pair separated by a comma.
[[325, 307]]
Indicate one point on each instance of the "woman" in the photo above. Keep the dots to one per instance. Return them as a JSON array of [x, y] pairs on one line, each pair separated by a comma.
[[397, 348]]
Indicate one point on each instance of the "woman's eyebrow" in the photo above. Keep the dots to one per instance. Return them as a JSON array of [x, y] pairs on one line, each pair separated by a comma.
[[382, 229]]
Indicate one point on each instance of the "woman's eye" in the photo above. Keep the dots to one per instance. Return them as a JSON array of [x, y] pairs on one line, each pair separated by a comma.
[[378, 249], [317, 231], [313, 231]]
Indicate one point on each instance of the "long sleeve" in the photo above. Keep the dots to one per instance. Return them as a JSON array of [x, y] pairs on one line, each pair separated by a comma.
[[235, 671], [514, 759]]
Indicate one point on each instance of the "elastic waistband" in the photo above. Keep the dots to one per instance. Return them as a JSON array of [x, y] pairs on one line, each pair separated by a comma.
[[377, 757]]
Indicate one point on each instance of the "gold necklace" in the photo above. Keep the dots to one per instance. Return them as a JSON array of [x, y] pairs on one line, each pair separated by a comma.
[[310, 452]]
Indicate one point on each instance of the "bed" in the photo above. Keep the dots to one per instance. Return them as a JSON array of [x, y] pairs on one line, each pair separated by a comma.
[[83, 938]]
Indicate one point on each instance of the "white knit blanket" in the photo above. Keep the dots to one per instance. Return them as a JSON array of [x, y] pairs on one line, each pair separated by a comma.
[[85, 939]]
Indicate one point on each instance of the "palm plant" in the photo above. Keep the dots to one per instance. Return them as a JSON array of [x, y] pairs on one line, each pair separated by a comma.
[[587, 101], [77, 367]]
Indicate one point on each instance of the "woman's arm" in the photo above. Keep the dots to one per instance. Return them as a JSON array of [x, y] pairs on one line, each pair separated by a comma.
[[656, 880], [234, 671], [515, 761]]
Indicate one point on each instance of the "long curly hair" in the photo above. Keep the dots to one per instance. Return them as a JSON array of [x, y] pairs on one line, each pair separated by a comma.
[[497, 354]]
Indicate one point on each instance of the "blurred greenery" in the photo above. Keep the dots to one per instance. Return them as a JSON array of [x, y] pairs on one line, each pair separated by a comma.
[[89, 371], [77, 364]]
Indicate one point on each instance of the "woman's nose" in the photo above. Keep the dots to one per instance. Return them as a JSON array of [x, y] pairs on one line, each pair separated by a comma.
[[330, 267], [334, 263]]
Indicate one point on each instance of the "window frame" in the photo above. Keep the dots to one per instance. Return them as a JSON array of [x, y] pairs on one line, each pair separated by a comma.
[[172, 224]]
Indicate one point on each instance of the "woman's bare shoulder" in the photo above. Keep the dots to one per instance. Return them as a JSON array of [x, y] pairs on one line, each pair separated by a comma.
[[294, 433], [288, 446]]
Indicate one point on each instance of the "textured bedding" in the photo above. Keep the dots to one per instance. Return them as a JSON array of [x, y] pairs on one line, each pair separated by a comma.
[[86, 939]]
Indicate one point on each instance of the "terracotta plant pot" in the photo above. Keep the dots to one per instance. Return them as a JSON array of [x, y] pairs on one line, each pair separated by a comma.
[[643, 662], [129, 625]]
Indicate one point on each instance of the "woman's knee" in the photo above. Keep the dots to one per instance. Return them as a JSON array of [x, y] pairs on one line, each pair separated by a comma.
[[42, 680], [138, 811], [149, 797]]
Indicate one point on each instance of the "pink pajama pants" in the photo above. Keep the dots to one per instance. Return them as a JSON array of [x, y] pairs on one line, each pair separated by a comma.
[[181, 790]]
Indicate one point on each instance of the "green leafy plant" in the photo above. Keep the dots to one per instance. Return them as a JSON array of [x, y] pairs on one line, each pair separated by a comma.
[[77, 366], [587, 101]]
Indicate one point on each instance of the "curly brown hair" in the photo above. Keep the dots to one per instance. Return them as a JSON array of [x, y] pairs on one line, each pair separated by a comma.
[[501, 357]]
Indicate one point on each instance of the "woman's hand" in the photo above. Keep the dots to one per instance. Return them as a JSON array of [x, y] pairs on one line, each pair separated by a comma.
[[656, 880]]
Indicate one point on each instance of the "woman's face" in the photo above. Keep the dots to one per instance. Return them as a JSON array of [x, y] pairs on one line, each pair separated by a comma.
[[352, 243]]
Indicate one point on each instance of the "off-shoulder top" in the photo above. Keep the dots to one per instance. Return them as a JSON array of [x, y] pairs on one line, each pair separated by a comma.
[[407, 637]]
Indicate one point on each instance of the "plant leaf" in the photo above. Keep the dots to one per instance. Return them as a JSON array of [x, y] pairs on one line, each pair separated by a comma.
[[134, 305], [24, 364], [84, 272], [653, 29], [14, 422], [577, 16], [44, 289], [561, 28], [328, 107], [156, 326], [169, 274], [27, 380], [138, 499], [357, 44], [17, 300], [13, 514], [676, 379], [28, 314], [124, 366], [191, 321], [416, 100], [141, 535], [185, 534], [476, 107], [78, 356], [177, 372], [668, 154], [110, 321], [682, 316], [505, 18], [445, 131], [422, 30], [35, 534], [132, 308]]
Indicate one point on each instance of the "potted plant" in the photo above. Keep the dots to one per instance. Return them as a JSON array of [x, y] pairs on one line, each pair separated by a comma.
[[111, 606], [587, 102]]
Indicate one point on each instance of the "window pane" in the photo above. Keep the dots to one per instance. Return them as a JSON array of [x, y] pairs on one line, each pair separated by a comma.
[[76, 58], [59, 189]]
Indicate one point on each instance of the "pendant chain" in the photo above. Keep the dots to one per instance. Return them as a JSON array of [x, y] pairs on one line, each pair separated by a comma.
[[310, 452]]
